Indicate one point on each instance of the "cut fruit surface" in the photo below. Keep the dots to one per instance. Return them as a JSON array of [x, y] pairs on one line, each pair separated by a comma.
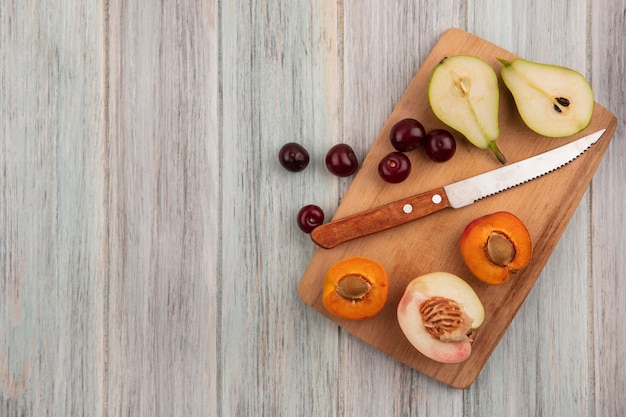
[[553, 101], [463, 93], [437, 313]]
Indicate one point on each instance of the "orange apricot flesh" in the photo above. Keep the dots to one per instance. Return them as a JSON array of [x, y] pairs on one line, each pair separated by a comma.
[[355, 288], [495, 247]]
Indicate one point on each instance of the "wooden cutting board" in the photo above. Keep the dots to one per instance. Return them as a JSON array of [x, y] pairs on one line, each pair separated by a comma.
[[431, 244]]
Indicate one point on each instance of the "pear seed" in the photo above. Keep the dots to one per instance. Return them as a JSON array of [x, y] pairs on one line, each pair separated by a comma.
[[562, 101], [557, 108]]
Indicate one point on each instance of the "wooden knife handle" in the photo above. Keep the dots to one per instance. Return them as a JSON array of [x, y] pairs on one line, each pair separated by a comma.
[[380, 218]]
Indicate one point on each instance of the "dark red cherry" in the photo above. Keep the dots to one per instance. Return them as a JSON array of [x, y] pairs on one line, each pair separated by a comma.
[[406, 135], [440, 145], [293, 157], [341, 160], [309, 217], [394, 167]]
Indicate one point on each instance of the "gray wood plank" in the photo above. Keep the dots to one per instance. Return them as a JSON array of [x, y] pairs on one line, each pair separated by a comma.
[[281, 83], [52, 212], [149, 256], [384, 46], [608, 206], [164, 209], [531, 372]]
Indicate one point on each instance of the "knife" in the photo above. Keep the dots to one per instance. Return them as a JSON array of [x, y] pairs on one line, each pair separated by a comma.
[[455, 195]]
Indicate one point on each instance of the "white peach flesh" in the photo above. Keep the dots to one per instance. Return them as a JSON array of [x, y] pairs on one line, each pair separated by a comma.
[[438, 284]]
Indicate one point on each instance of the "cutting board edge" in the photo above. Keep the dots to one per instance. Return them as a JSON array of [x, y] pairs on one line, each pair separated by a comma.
[[467, 379]]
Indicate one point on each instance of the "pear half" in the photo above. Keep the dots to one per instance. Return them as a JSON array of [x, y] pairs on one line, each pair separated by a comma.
[[463, 93], [553, 101]]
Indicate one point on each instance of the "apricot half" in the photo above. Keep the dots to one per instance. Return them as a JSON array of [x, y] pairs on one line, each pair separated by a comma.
[[438, 313], [496, 246], [355, 288]]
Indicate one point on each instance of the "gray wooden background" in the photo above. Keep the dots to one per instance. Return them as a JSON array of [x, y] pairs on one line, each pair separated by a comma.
[[149, 257]]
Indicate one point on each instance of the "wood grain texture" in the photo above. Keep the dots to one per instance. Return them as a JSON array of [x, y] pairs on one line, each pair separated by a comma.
[[281, 82], [164, 180], [52, 209], [607, 260], [149, 259]]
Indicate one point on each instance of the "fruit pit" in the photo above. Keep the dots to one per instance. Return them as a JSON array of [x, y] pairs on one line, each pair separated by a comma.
[[445, 320], [499, 249], [353, 287]]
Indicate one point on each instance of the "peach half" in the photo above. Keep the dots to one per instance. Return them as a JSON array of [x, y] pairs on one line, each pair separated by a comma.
[[438, 313]]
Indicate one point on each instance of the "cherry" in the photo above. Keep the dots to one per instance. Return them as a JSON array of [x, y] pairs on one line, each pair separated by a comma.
[[440, 145], [406, 135], [309, 217], [341, 160], [394, 167], [293, 157]]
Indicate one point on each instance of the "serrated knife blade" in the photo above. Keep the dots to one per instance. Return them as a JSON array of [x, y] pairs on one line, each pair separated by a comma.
[[456, 195]]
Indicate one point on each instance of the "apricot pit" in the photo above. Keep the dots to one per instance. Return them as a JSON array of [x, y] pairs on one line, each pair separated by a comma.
[[353, 287]]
